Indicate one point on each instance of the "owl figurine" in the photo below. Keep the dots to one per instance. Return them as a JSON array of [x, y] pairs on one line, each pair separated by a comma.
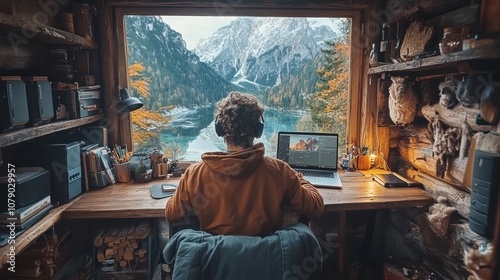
[[402, 101]]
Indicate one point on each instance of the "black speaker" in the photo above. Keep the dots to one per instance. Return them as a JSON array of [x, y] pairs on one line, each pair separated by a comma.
[[13, 104], [41, 109], [484, 195], [257, 132], [64, 163]]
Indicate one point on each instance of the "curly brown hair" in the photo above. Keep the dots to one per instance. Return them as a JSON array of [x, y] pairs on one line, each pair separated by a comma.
[[238, 115]]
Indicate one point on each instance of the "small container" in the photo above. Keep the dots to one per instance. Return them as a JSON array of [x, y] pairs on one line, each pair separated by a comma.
[[374, 54], [123, 172], [451, 41]]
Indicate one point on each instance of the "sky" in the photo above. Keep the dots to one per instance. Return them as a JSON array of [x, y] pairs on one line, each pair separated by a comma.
[[194, 28]]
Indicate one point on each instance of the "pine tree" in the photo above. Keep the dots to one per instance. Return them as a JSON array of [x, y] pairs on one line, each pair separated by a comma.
[[329, 103]]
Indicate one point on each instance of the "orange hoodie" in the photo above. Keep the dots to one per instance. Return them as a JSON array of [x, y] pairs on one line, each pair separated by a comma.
[[242, 193]]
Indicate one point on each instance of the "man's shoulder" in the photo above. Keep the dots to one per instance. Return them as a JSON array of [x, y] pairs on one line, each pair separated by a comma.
[[275, 163]]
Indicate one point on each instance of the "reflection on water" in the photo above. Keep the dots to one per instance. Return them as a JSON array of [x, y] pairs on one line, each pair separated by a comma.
[[193, 130]]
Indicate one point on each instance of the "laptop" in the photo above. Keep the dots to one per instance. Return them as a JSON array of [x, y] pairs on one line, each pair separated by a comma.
[[313, 154]]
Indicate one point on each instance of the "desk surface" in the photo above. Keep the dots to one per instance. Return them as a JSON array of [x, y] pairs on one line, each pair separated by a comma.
[[131, 200], [134, 201]]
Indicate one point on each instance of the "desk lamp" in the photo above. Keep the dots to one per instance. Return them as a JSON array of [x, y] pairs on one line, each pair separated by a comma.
[[128, 103]]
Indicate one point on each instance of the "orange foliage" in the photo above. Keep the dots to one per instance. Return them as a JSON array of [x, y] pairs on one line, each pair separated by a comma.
[[146, 124]]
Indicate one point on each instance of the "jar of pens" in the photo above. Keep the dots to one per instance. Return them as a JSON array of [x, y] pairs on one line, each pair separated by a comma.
[[121, 161]]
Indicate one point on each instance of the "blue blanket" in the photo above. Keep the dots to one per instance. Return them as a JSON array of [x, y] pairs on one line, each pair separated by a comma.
[[291, 253]]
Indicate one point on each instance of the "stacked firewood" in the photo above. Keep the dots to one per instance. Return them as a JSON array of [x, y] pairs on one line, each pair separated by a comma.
[[120, 242]]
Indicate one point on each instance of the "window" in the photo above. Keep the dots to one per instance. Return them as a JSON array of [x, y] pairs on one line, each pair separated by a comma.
[[179, 101]]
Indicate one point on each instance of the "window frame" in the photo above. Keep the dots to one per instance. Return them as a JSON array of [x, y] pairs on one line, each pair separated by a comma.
[[353, 128]]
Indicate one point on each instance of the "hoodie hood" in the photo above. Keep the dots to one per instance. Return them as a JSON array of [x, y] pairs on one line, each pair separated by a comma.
[[236, 164]]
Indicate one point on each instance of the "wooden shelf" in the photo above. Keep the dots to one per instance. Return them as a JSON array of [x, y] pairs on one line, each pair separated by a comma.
[[40, 33], [439, 62], [32, 233], [17, 136]]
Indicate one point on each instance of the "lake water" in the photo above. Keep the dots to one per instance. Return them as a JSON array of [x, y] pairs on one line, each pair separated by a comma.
[[193, 131]]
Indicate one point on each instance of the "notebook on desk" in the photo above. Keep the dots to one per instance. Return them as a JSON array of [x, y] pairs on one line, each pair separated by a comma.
[[394, 180], [313, 154]]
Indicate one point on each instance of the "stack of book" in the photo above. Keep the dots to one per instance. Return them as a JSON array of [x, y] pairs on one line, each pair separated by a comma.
[[98, 168], [24, 217]]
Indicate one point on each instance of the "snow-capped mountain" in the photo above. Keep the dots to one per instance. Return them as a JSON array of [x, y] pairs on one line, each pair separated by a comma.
[[260, 51], [175, 74]]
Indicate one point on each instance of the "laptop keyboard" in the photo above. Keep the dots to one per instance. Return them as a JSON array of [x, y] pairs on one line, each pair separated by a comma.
[[318, 174]]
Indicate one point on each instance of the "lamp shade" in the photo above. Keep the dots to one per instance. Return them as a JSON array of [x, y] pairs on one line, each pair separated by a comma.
[[127, 103]]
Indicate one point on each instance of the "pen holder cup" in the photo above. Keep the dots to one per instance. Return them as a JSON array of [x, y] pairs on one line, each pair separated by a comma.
[[123, 172], [364, 162]]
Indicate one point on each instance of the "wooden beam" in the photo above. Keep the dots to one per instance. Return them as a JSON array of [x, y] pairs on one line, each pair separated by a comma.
[[354, 110], [22, 56], [420, 156], [365, 114], [22, 31], [454, 117], [229, 6], [109, 86], [400, 9], [456, 197]]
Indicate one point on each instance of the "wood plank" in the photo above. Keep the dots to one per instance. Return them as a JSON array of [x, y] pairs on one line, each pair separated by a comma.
[[356, 86], [457, 198], [397, 9], [21, 30], [465, 16], [109, 86], [420, 156], [24, 134], [23, 56], [454, 117], [219, 8], [439, 61], [122, 63], [31, 234]]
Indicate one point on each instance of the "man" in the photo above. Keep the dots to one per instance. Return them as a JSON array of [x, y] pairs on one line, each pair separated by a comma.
[[241, 191]]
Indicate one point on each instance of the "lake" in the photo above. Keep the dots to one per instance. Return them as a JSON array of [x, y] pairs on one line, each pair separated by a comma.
[[193, 131]]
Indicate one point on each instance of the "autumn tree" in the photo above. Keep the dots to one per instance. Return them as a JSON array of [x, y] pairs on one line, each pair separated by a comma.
[[329, 103], [146, 124]]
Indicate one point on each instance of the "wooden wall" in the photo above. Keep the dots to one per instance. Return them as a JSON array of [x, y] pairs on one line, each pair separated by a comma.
[[410, 233]]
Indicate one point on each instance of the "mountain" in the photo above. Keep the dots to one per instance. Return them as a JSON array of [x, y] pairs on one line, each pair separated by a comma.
[[175, 74], [261, 52]]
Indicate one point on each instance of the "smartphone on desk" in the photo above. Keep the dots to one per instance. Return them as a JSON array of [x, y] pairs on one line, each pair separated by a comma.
[[168, 187]]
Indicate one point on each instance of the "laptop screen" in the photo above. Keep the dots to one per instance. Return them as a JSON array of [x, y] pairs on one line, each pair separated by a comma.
[[308, 149]]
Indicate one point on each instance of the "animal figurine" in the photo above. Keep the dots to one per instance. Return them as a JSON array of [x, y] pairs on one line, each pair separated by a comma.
[[447, 96], [402, 101], [439, 216], [478, 263], [469, 91]]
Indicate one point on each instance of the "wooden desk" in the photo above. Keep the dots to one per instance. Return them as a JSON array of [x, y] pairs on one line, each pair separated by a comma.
[[129, 200], [134, 201]]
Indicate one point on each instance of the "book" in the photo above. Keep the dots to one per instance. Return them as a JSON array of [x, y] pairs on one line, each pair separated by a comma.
[[168, 188], [394, 180], [26, 211], [29, 222], [85, 150]]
